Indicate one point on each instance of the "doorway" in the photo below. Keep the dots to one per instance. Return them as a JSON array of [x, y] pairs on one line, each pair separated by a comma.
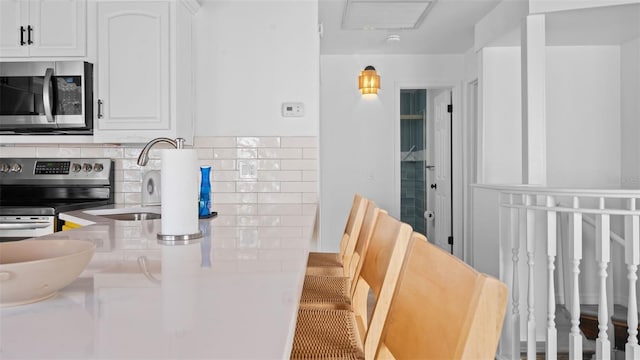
[[426, 163], [413, 141]]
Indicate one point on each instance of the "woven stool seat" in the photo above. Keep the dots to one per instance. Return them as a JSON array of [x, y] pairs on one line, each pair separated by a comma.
[[326, 334], [325, 291], [325, 264]]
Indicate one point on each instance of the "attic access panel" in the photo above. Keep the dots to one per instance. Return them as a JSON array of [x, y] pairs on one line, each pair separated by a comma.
[[385, 14]]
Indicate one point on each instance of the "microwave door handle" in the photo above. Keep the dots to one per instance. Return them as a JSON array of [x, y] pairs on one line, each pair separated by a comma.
[[46, 94]]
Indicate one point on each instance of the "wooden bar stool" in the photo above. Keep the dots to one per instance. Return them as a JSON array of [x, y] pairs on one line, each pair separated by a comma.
[[344, 334], [336, 291], [442, 309], [331, 264]]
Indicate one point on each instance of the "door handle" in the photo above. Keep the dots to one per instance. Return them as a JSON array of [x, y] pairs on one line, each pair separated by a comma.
[[434, 186], [47, 89], [22, 30], [29, 32], [99, 108]]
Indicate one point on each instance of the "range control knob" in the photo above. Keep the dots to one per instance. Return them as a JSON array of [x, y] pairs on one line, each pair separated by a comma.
[[87, 167], [97, 167], [4, 167], [76, 167], [16, 168]]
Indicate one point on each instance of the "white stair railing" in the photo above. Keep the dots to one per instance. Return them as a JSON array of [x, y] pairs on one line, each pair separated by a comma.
[[529, 221]]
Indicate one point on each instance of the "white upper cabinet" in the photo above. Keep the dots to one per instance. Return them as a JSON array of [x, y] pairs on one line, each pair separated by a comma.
[[43, 28], [133, 59], [145, 84]]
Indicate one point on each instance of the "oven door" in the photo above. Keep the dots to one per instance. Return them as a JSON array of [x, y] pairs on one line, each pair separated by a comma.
[[23, 227]]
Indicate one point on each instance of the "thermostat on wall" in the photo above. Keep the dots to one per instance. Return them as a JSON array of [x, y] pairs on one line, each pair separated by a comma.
[[292, 109]]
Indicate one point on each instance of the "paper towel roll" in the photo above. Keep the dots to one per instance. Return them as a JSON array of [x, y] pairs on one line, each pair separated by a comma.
[[179, 192]]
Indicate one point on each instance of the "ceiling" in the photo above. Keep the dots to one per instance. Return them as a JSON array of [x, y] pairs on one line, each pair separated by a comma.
[[445, 28]]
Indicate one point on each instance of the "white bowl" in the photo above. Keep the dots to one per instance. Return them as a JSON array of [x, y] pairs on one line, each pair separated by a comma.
[[34, 270]]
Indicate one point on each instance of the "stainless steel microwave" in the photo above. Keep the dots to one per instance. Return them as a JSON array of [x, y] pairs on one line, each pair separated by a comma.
[[46, 97]]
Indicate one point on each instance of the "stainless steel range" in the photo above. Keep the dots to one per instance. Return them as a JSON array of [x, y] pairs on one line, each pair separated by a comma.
[[33, 191]]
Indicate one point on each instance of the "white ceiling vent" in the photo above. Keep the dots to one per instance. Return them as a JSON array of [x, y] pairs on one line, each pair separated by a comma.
[[385, 14]]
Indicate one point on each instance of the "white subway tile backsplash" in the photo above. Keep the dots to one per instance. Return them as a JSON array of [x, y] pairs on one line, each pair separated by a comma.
[[279, 209], [132, 175], [247, 153], [130, 187], [214, 142], [299, 142], [308, 186], [279, 198], [268, 164], [279, 175], [310, 198], [223, 164], [225, 175], [257, 141], [223, 186], [247, 187], [133, 198], [279, 153], [224, 153], [234, 198], [310, 153], [128, 164], [299, 165], [236, 209], [310, 175], [58, 152], [133, 153], [11, 151], [286, 170], [205, 154], [252, 186]]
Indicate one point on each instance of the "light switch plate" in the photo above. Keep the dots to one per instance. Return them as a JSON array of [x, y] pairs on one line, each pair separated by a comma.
[[292, 109]]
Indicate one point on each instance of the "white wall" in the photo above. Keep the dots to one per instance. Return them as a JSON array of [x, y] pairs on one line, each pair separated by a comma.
[[583, 116], [250, 57], [630, 113], [501, 116], [357, 133]]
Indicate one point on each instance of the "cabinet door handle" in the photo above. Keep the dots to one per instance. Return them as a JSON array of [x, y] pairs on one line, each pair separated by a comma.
[[99, 109], [22, 36], [29, 32]]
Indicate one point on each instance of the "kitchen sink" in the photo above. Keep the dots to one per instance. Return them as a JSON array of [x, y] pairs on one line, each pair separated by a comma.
[[133, 216], [128, 214]]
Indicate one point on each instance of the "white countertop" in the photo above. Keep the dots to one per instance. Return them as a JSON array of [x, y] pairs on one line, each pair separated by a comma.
[[232, 295]]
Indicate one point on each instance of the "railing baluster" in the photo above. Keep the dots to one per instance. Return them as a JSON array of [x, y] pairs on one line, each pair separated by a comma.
[[552, 332], [575, 338], [531, 250], [515, 294], [603, 346], [632, 259]]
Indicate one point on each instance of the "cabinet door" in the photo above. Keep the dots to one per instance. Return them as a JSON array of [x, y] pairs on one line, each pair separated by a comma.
[[59, 27], [133, 66], [14, 14]]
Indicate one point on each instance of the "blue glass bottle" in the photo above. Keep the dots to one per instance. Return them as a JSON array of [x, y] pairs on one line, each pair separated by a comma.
[[204, 205]]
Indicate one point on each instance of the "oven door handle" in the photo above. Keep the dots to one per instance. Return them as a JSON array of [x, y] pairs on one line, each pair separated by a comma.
[[24, 225]]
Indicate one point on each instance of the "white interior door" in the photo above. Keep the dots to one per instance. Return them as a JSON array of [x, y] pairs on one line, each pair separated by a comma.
[[442, 156]]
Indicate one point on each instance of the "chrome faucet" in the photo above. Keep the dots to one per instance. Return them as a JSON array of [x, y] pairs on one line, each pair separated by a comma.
[[143, 159]]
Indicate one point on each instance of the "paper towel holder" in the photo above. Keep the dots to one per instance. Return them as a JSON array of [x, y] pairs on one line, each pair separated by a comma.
[[179, 239], [143, 158]]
